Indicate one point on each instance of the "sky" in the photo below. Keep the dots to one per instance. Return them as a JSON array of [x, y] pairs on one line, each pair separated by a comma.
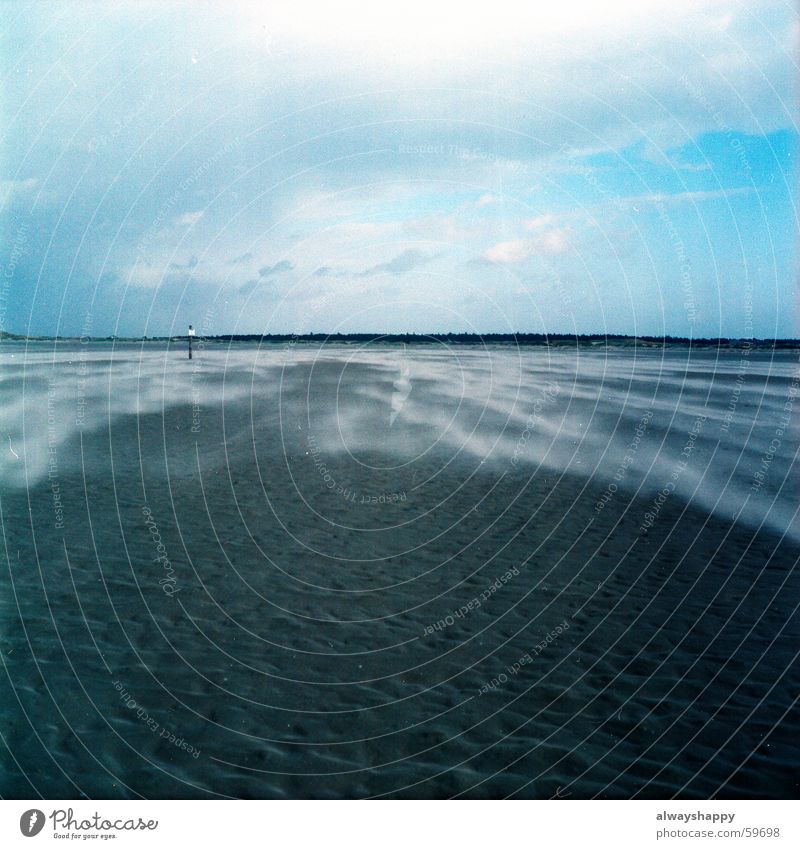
[[570, 167]]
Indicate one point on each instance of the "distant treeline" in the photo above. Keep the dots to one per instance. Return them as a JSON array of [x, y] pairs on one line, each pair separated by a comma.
[[503, 338], [540, 339]]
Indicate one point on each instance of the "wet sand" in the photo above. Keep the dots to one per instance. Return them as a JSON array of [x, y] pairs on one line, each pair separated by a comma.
[[341, 572]]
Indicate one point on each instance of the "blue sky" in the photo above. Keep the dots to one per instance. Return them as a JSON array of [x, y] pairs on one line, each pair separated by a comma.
[[487, 167]]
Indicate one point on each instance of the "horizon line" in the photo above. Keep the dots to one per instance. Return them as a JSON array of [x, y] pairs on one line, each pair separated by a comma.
[[367, 335]]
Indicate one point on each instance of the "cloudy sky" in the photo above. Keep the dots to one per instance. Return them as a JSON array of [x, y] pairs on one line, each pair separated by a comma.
[[312, 167]]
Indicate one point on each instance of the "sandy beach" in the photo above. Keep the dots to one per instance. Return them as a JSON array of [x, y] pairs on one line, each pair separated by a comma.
[[357, 571]]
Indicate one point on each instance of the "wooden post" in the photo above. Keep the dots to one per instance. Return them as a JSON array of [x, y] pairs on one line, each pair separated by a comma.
[[191, 333]]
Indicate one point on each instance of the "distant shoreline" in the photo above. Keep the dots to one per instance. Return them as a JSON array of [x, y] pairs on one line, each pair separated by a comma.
[[524, 339]]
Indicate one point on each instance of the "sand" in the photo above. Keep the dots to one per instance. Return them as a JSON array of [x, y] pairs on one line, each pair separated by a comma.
[[349, 571]]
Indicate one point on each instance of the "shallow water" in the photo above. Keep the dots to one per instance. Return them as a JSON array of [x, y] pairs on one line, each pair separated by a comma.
[[375, 570]]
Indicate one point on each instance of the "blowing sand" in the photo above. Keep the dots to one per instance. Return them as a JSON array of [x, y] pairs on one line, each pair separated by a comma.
[[345, 572]]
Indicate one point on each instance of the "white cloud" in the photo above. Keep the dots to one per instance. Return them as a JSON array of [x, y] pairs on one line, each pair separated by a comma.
[[14, 188], [547, 243], [590, 74], [146, 275], [686, 197], [407, 31], [515, 250], [189, 219], [539, 221], [552, 241]]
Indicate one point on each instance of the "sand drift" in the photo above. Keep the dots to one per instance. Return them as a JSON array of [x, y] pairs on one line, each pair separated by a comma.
[[363, 570]]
